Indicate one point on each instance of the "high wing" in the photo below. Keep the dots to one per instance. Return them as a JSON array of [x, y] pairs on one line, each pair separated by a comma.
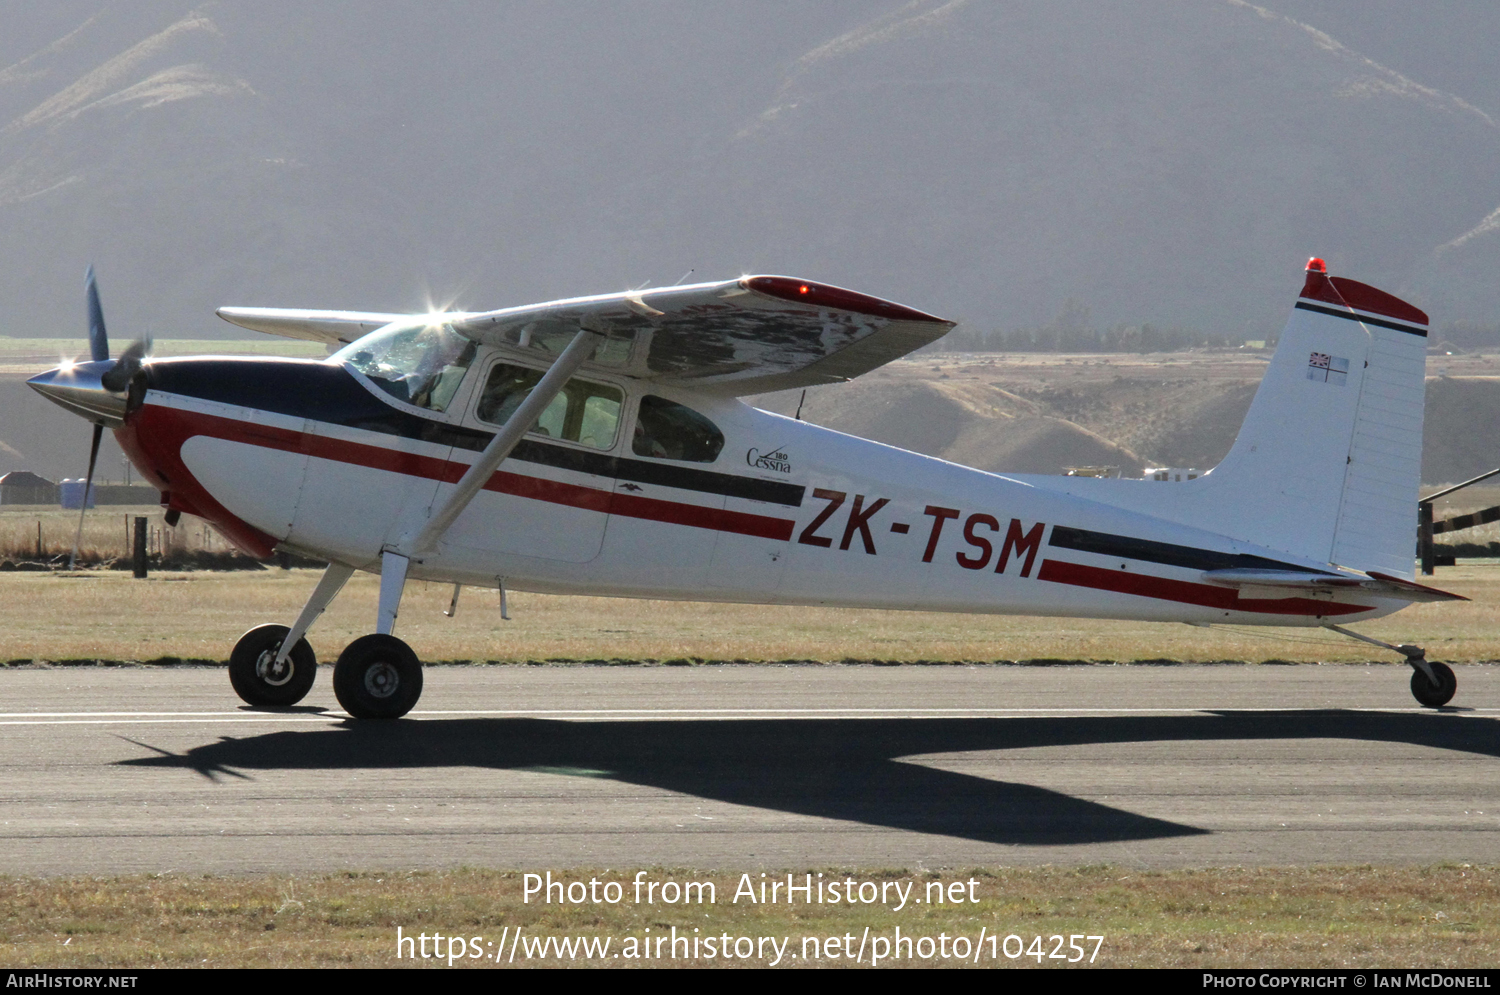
[[745, 336], [331, 327]]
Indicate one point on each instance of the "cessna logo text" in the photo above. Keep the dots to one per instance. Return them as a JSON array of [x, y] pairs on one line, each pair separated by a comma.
[[774, 460]]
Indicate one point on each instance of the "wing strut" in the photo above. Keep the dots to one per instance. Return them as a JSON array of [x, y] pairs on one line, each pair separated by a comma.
[[395, 561], [505, 440]]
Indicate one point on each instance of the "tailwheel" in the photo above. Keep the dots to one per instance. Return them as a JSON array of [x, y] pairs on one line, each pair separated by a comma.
[[1433, 695], [1432, 684], [257, 676], [377, 677]]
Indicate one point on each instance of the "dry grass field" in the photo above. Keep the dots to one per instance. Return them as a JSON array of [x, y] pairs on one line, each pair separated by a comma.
[[43, 533], [106, 615], [1230, 918]]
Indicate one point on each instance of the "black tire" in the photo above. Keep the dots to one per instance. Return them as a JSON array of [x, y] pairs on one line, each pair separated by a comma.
[[377, 677], [1434, 697], [257, 679]]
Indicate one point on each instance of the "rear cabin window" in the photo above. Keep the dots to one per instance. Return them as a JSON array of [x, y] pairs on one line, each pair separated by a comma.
[[668, 430], [583, 412]]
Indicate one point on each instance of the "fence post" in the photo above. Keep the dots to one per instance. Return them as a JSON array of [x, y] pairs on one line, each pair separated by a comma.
[[1424, 536], [138, 559]]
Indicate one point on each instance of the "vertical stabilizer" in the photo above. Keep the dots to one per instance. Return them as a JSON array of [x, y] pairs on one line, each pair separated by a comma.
[[1328, 461]]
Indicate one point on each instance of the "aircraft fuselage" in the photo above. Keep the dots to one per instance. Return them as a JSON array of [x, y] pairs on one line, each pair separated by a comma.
[[313, 457]]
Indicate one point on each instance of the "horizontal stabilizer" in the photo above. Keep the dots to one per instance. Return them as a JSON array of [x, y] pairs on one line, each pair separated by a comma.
[[1413, 591], [1293, 582]]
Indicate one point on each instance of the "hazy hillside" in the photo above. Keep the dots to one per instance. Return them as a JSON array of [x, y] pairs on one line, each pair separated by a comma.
[[1004, 413], [966, 421], [1042, 414], [1161, 160]]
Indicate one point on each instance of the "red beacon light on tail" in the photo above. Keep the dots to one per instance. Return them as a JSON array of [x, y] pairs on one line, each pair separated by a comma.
[[1318, 286]]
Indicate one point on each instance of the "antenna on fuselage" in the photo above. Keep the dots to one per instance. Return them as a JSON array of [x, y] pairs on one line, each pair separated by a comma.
[[684, 277], [800, 403]]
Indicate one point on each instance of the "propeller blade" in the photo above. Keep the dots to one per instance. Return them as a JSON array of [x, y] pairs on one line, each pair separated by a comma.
[[88, 483], [118, 377], [98, 339]]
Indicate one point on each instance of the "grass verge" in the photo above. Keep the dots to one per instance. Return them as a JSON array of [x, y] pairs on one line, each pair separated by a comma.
[[106, 615], [1413, 917]]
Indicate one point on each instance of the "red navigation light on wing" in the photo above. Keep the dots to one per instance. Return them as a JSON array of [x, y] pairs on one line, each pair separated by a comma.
[[822, 295]]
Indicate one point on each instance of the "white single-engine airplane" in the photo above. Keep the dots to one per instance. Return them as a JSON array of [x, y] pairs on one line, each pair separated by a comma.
[[597, 446]]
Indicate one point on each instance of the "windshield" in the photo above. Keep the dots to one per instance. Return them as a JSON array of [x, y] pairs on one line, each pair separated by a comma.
[[418, 364]]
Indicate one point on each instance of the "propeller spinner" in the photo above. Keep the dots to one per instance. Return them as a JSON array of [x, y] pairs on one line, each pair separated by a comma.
[[96, 390]]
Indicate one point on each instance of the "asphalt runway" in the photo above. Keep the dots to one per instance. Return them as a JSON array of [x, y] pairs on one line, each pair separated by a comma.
[[124, 770]]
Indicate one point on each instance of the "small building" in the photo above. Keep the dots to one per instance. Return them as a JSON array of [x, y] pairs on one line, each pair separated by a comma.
[[70, 493], [1092, 471], [25, 487], [1172, 473]]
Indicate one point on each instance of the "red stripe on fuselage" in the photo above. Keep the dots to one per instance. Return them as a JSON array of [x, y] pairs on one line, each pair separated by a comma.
[[1186, 592], [718, 519], [188, 424], [154, 445]]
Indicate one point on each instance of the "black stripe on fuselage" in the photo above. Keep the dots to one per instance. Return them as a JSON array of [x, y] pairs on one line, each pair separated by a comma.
[[1351, 316], [328, 393], [1165, 553]]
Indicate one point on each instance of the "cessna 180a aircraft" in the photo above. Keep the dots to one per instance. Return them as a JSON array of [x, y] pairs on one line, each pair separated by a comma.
[[597, 446]]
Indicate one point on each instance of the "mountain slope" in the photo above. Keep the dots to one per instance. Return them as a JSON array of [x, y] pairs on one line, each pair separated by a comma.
[[1156, 161]]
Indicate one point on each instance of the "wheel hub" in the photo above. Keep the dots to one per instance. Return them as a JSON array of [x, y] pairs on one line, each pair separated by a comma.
[[269, 670], [382, 680]]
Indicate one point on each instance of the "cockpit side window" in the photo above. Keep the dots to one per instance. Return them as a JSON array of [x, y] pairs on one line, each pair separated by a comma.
[[422, 365], [583, 412], [668, 430]]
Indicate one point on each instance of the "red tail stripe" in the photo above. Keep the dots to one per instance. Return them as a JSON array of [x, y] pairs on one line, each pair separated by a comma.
[[1360, 296]]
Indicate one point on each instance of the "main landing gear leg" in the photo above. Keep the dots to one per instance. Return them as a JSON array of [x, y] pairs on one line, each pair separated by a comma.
[[1432, 684], [378, 676], [273, 665]]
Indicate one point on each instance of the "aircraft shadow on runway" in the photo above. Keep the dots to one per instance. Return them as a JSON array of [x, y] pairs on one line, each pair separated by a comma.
[[844, 769]]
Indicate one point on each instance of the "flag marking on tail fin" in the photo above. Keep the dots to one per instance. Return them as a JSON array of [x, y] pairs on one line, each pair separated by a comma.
[[1328, 369]]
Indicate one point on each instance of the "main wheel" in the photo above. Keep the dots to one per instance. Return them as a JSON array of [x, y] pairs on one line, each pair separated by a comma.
[[377, 677], [1434, 696], [259, 680]]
